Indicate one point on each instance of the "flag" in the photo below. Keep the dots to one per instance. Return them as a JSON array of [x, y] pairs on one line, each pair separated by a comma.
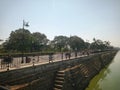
[[25, 23]]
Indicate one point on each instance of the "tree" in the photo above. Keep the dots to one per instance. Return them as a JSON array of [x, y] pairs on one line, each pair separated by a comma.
[[39, 41], [87, 45], [76, 43], [107, 44], [60, 42], [98, 44], [1, 46], [19, 40]]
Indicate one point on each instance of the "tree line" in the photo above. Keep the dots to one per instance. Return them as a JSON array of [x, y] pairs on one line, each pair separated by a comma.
[[22, 40]]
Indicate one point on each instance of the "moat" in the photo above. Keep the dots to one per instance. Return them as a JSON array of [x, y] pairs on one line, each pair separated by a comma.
[[108, 78]]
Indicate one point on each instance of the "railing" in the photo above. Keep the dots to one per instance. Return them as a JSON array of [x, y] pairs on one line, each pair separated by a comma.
[[21, 62]]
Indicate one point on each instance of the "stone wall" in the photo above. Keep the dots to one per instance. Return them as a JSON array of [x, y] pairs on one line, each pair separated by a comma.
[[78, 77], [78, 73]]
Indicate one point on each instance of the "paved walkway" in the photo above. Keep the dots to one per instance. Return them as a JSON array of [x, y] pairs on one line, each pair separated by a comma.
[[36, 60]]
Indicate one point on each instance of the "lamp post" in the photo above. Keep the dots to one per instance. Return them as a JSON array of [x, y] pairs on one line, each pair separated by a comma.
[[25, 24]]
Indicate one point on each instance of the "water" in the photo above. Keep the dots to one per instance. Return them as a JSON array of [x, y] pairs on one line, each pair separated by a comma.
[[109, 78]]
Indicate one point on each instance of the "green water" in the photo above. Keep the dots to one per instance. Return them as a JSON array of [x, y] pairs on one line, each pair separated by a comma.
[[109, 78]]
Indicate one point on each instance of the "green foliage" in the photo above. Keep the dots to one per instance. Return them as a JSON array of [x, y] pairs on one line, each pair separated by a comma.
[[60, 42], [19, 40], [76, 43], [39, 41], [23, 41], [100, 45]]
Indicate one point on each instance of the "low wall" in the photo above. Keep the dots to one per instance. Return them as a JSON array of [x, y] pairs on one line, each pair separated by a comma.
[[78, 73]]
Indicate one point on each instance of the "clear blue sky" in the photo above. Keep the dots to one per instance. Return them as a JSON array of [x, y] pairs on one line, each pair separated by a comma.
[[84, 18]]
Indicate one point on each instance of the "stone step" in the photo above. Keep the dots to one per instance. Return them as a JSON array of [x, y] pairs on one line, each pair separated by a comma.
[[86, 71], [81, 66], [58, 86], [60, 78], [59, 74], [59, 82], [83, 70], [57, 89]]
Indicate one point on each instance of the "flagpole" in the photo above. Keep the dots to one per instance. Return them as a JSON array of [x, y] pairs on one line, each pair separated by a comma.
[[23, 41], [23, 24]]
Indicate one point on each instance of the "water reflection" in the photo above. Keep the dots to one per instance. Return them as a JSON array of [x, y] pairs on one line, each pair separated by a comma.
[[95, 81], [108, 78]]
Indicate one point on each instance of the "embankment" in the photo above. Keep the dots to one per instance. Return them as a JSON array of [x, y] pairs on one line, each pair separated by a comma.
[[77, 73]]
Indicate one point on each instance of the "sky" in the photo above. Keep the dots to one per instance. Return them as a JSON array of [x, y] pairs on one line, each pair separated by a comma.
[[87, 19]]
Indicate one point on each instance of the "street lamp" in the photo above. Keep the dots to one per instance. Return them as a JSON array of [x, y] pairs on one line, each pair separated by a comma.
[[25, 24]]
